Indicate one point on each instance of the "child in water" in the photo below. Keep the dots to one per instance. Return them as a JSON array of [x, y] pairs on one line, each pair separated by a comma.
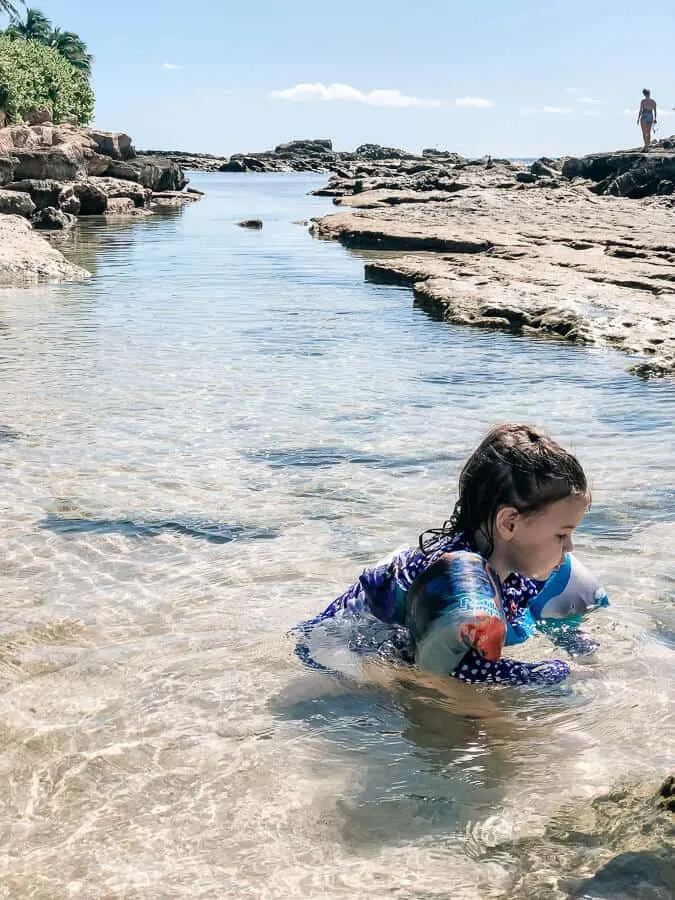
[[500, 565]]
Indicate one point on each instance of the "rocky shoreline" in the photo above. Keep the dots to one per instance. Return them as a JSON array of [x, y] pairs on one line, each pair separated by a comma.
[[577, 250], [52, 174]]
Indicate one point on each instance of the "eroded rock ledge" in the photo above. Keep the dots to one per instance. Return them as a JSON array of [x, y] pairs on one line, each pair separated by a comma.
[[529, 250]]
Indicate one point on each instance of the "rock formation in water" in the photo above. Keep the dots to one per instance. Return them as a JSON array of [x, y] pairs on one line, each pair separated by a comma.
[[619, 847], [579, 250], [51, 174]]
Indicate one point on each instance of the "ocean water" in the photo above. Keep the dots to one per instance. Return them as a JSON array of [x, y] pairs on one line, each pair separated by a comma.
[[200, 447]]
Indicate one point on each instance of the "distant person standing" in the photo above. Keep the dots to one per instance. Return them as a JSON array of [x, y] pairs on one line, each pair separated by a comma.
[[647, 117]]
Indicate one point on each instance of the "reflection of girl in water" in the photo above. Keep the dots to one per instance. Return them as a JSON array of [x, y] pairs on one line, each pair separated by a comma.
[[647, 118]]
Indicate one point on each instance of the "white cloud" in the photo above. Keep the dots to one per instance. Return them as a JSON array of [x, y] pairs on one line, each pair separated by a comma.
[[475, 102], [319, 91], [587, 100], [172, 66], [572, 91], [557, 110]]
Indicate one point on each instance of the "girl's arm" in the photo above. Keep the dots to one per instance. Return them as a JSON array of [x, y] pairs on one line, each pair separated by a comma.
[[474, 669], [456, 618]]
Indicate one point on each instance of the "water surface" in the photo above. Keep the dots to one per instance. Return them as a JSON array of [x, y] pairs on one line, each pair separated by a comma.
[[200, 447]]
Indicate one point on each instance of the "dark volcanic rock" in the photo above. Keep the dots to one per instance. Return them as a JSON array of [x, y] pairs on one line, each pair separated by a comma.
[[632, 174], [52, 218], [251, 223], [93, 199], [152, 172], [305, 148], [375, 151]]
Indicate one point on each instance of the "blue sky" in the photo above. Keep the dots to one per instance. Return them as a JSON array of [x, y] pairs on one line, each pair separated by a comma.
[[506, 78]]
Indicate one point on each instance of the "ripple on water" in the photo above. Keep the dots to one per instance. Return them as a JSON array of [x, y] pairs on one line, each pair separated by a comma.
[[215, 532], [325, 457]]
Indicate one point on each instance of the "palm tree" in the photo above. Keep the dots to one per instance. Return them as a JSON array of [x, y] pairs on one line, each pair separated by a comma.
[[72, 48], [37, 27], [6, 6]]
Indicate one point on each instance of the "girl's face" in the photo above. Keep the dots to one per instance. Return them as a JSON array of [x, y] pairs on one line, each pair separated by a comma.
[[534, 544]]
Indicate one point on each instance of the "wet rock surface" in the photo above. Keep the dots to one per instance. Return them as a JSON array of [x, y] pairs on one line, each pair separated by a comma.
[[525, 249], [27, 258], [620, 846]]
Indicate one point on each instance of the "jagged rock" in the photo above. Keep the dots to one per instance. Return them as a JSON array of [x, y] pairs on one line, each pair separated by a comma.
[[375, 151], [115, 187], [151, 172], [65, 163], [301, 148], [114, 144], [201, 162], [446, 155], [93, 199], [665, 188], [526, 177], [16, 203], [544, 166], [53, 219], [251, 223], [624, 174], [232, 165], [69, 202]]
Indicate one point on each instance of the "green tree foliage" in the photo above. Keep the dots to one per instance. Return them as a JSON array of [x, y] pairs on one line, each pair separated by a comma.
[[34, 76], [37, 27], [72, 48]]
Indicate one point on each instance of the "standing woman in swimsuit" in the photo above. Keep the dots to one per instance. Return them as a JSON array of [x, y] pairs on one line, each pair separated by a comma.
[[647, 117]]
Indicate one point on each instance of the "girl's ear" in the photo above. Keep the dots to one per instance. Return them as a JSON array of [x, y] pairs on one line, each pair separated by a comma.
[[506, 521]]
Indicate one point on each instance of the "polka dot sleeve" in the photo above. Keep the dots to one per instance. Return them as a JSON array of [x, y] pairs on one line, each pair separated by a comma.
[[475, 670]]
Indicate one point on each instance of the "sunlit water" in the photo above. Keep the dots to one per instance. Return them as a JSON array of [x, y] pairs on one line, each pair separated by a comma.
[[200, 447]]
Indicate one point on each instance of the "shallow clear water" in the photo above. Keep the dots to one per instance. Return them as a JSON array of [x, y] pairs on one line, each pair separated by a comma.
[[200, 447]]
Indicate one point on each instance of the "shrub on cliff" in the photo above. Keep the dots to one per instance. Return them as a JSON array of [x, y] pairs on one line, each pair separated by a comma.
[[34, 76]]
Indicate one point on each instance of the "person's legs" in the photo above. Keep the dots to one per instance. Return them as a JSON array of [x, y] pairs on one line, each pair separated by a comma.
[[646, 126]]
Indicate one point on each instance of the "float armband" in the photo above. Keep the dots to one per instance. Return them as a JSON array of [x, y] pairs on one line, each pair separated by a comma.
[[453, 607], [569, 592]]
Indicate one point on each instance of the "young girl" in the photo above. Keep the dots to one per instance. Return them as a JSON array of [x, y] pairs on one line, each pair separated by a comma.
[[497, 566]]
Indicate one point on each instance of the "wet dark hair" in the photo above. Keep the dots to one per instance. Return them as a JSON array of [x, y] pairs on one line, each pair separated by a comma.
[[646, 92], [515, 465]]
